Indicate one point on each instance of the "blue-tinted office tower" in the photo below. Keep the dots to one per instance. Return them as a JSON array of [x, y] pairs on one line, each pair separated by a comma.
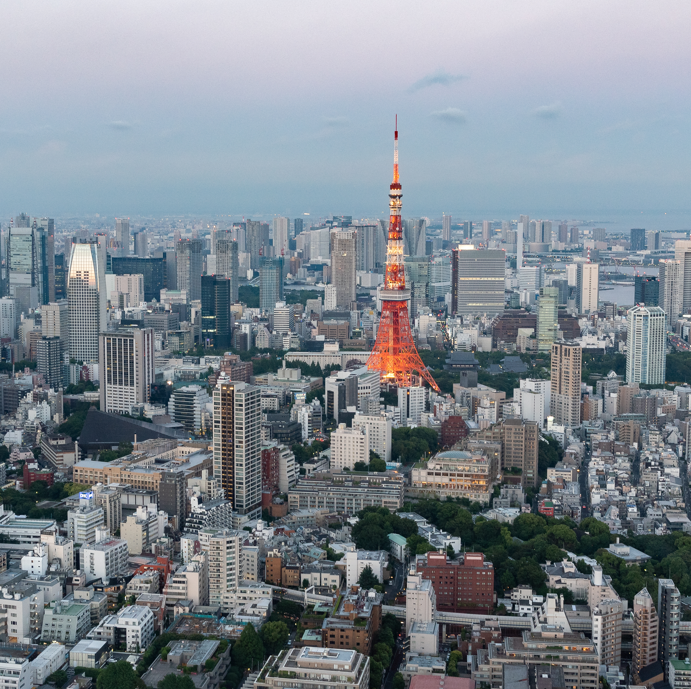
[[646, 290], [637, 239], [215, 312], [270, 283]]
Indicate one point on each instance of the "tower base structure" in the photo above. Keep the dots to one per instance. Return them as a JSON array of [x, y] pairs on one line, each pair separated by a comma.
[[394, 353]]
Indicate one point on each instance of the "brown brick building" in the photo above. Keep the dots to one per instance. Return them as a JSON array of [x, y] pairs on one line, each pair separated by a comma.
[[274, 569], [290, 576], [464, 585], [270, 469], [355, 623], [453, 430]]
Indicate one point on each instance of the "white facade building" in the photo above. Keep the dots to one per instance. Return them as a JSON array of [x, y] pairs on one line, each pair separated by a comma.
[[357, 561], [132, 626], [83, 521], [379, 430], [411, 405], [534, 396], [349, 446], [588, 287], [104, 560], [36, 561], [330, 298], [50, 660], [8, 317], [15, 668], [420, 602], [646, 345], [223, 548]]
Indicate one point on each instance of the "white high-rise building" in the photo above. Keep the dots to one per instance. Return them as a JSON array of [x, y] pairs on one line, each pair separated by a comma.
[[237, 445], [122, 236], [189, 582], [682, 253], [223, 549], [411, 405], [228, 264], [646, 345], [349, 446], [127, 369], [281, 230], [284, 318], [446, 228], [379, 429], [8, 317], [607, 621], [83, 521], [104, 560], [86, 297], [330, 298], [588, 287], [534, 396], [131, 287], [343, 263], [55, 322], [565, 381], [421, 601], [671, 289]]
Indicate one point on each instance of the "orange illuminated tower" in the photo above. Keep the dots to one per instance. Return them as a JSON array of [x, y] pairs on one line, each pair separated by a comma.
[[394, 354]]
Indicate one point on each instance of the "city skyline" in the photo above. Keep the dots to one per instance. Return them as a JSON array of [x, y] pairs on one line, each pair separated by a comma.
[[573, 115]]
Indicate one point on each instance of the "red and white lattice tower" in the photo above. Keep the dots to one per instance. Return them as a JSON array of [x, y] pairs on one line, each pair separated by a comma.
[[394, 353]]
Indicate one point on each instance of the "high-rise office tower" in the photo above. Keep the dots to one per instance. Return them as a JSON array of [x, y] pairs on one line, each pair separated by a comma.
[[637, 239], [607, 621], [216, 302], [671, 292], [599, 234], [141, 243], [256, 242], [281, 231], [563, 233], [547, 318], [477, 281], [284, 318], [669, 616], [486, 230], [587, 287], [417, 276], [270, 283], [446, 228], [190, 261], [217, 235], [127, 368], [646, 290], [8, 318], [343, 263], [414, 236], [30, 263], [49, 361], [520, 238], [60, 277], [122, 236], [298, 225], [653, 240], [22, 220], [646, 345], [55, 322], [575, 239], [645, 632], [45, 258], [228, 264], [237, 445], [87, 300], [682, 253], [566, 384], [154, 271], [370, 248], [330, 298], [223, 550], [467, 229]]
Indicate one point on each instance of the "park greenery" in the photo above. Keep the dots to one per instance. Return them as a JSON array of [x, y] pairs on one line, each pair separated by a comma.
[[374, 526], [24, 502], [408, 445], [383, 649]]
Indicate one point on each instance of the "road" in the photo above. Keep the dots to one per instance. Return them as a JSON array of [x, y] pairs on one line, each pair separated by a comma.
[[391, 590], [393, 668]]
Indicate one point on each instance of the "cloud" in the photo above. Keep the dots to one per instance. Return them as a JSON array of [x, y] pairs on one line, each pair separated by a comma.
[[336, 121], [451, 115], [549, 112], [438, 78], [120, 125]]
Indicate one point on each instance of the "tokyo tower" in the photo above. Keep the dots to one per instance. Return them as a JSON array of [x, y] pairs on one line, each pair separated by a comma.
[[394, 353]]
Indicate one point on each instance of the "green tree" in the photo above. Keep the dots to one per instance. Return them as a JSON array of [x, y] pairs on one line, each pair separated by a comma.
[[361, 466], [120, 675], [527, 526], [376, 674], [367, 579], [451, 666], [248, 651], [59, 677], [398, 681], [376, 464], [173, 681], [274, 636]]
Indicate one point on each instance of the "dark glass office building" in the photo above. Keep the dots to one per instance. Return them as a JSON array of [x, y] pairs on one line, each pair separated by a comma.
[[215, 312], [637, 239], [646, 290], [60, 279], [153, 270]]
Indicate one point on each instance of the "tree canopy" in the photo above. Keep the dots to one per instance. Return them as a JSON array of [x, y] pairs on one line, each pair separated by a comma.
[[173, 681], [367, 579], [120, 675], [375, 525], [274, 636], [248, 651]]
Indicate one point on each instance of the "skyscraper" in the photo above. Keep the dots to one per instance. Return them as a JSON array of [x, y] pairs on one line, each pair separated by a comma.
[[371, 248], [298, 225], [122, 236], [682, 253], [55, 322], [486, 231], [414, 236], [587, 287], [228, 265], [547, 318], [417, 276], [87, 300], [154, 271], [223, 550], [607, 622], [60, 277], [477, 279], [467, 230], [521, 441], [188, 254], [574, 235], [343, 262], [646, 290], [141, 243], [646, 345], [669, 615], [8, 317], [637, 239], [671, 292], [256, 242], [270, 283], [566, 383], [281, 231], [49, 361], [237, 445], [446, 228], [645, 632], [215, 312], [127, 361], [653, 241], [563, 233]]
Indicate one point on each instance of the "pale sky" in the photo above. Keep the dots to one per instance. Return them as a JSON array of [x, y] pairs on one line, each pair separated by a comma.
[[267, 107]]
